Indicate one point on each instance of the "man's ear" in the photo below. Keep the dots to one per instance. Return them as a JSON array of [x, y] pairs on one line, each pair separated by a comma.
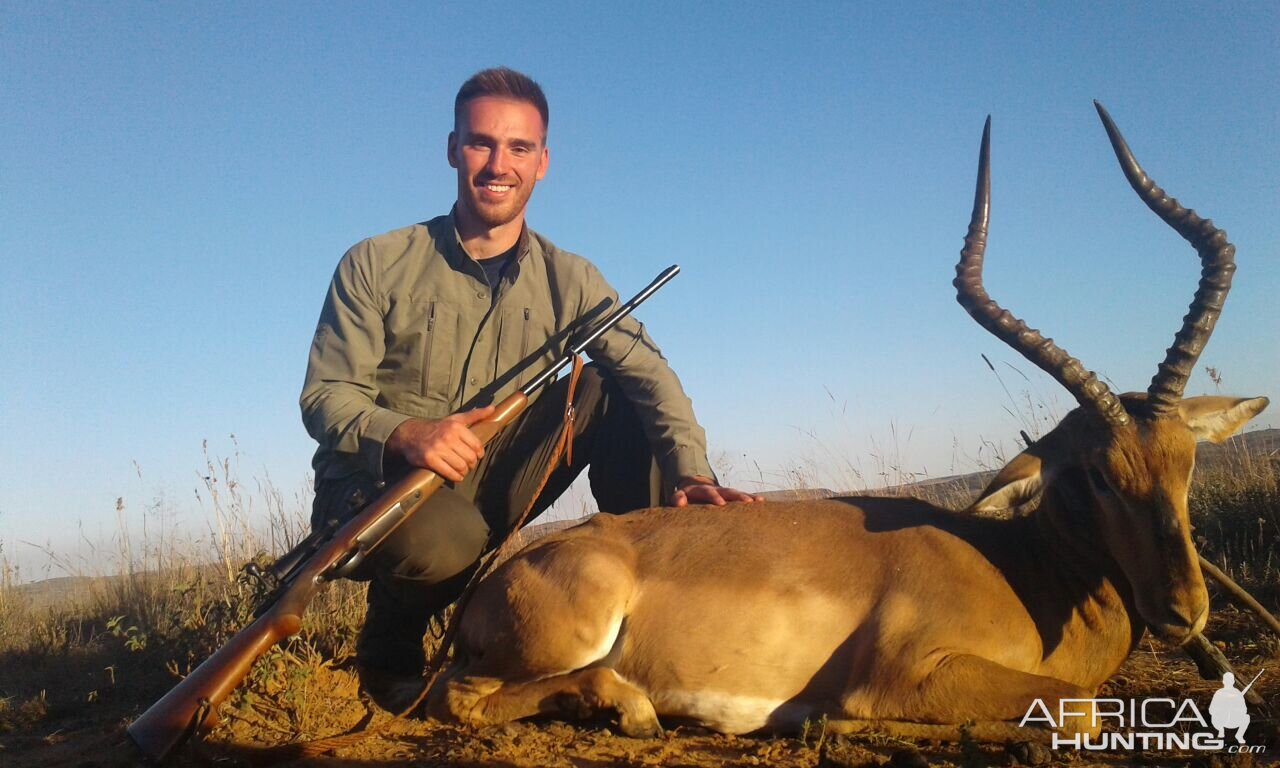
[[542, 163], [1020, 481], [1215, 418], [451, 149]]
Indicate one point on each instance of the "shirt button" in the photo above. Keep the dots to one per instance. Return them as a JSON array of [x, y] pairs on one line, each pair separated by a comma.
[[481, 295], [473, 380]]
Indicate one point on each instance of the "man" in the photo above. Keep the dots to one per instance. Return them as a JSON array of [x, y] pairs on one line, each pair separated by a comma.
[[425, 327], [1228, 709]]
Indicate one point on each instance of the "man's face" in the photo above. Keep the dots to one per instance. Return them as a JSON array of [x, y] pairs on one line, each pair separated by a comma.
[[499, 150]]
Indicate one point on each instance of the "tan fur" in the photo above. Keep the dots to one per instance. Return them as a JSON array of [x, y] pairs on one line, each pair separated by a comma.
[[763, 615]]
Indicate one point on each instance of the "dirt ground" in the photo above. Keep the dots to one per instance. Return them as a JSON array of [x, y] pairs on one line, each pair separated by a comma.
[[325, 703]]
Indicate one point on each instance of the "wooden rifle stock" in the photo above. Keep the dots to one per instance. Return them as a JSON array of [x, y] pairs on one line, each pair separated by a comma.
[[192, 704]]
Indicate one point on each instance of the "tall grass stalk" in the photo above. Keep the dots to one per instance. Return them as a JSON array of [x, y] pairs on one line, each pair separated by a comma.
[[119, 640], [118, 636]]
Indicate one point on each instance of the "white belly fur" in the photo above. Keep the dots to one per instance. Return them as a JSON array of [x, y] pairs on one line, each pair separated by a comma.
[[731, 713]]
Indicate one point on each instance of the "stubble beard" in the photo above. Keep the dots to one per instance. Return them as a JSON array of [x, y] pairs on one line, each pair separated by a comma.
[[499, 214]]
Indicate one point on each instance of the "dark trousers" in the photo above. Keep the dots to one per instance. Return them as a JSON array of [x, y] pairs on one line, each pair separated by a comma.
[[423, 566]]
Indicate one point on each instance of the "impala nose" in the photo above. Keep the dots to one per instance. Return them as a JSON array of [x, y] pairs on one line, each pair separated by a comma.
[[1177, 629]]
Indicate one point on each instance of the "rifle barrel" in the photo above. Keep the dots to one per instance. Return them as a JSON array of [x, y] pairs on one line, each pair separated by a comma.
[[612, 320], [1251, 682]]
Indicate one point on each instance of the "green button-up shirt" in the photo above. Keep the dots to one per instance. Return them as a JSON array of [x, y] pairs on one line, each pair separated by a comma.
[[409, 329]]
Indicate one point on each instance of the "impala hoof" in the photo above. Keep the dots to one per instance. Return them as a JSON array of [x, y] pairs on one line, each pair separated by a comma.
[[637, 718], [640, 728]]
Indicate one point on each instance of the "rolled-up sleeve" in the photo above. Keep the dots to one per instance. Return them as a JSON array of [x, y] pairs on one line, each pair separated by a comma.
[[339, 395]]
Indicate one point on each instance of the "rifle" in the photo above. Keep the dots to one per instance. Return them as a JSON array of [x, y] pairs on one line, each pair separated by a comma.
[[327, 554], [1251, 682]]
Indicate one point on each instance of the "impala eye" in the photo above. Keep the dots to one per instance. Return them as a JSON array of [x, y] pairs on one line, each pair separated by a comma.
[[1098, 482]]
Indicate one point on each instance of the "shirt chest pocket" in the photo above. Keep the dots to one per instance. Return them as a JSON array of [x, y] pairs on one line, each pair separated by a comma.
[[420, 338], [523, 348]]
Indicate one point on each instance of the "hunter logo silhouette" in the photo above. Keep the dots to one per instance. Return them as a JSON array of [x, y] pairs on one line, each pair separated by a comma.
[[1157, 723], [1228, 709]]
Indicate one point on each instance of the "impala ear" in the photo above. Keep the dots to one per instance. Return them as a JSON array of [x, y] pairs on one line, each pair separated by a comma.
[[1217, 418], [1020, 481]]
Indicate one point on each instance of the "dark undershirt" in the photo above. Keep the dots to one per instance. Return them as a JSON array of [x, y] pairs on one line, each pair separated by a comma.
[[495, 267]]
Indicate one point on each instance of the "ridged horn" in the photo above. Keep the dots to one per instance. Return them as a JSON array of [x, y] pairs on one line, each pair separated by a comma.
[[1083, 384], [1217, 265]]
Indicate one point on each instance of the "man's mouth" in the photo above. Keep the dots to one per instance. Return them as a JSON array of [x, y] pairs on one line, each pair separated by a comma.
[[498, 187]]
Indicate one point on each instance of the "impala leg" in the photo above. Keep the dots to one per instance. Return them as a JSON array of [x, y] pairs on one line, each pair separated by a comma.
[[971, 688], [482, 701]]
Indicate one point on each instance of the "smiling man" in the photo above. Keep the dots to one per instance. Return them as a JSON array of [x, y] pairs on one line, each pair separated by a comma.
[[425, 327]]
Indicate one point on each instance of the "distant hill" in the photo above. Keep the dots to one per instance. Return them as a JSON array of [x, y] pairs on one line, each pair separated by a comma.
[[1261, 444], [1258, 445], [41, 594], [1255, 446]]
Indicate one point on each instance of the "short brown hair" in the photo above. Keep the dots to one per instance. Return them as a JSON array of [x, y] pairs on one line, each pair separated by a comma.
[[504, 83]]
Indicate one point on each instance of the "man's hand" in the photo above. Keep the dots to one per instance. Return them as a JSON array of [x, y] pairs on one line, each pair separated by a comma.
[[702, 490], [447, 447]]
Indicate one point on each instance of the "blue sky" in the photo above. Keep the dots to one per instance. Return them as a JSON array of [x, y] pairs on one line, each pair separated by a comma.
[[178, 181]]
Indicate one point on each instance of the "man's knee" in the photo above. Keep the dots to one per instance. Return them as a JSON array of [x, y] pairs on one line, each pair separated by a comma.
[[442, 539], [439, 541]]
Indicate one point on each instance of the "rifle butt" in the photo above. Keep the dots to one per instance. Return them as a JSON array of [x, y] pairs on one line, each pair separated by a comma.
[[193, 703]]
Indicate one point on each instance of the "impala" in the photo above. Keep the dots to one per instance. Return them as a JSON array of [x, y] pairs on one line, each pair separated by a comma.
[[867, 609]]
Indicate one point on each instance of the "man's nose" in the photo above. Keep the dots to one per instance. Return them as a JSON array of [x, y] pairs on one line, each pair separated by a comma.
[[498, 163]]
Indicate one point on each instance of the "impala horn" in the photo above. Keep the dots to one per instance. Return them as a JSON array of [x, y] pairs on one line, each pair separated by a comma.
[[1083, 384], [1217, 264]]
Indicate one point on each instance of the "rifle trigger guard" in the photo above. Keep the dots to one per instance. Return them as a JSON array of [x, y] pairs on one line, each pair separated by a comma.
[[343, 569]]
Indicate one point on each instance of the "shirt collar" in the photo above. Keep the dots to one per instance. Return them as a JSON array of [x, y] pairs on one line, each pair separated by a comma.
[[457, 254]]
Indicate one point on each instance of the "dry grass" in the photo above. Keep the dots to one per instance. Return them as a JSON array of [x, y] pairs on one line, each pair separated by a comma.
[[113, 643], [1235, 508], [121, 641]]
